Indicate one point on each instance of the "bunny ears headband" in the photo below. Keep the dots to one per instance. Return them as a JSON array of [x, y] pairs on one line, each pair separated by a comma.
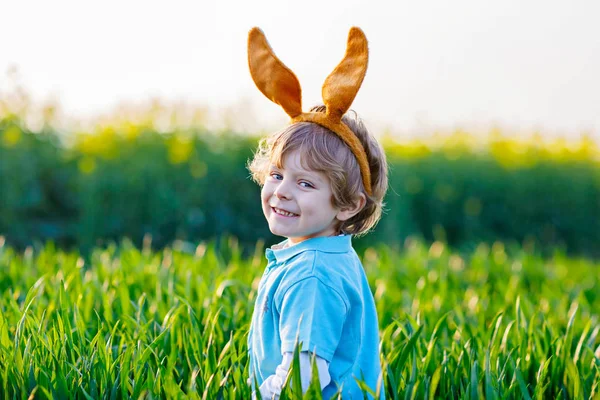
[[279, 84]]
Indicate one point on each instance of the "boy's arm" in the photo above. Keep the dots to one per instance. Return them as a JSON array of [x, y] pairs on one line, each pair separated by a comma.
[[300, 305], [274, 383]]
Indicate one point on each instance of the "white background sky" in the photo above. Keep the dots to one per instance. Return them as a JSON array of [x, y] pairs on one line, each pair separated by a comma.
[[519, 64]]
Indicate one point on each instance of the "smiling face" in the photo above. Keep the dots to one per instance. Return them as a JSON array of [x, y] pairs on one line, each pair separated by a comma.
[[297, 201]]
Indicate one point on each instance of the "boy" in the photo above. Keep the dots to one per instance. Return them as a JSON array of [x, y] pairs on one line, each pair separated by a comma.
[[323, 180]]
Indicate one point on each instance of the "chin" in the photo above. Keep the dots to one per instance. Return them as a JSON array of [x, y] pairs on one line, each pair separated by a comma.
[[278, 232]]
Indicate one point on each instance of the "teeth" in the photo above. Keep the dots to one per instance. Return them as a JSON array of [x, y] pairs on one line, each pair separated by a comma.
[[285, 213]]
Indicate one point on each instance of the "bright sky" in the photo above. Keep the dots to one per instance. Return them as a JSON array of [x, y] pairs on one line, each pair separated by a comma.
[[519, 64]]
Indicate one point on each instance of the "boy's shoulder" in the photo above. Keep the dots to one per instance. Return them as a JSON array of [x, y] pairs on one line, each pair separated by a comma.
[[319, 263], [336, 265]]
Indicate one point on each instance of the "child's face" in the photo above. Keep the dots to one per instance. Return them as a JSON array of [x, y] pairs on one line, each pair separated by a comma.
[[297, 201]]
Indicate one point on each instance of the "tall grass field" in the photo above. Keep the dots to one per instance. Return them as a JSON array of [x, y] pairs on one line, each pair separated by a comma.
[[498, 322]]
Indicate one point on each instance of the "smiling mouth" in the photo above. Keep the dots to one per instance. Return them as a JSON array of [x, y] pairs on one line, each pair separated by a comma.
[[283, 212]]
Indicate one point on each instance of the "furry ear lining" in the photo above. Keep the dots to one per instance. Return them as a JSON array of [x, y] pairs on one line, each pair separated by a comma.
[[341, 86], [276, 81]]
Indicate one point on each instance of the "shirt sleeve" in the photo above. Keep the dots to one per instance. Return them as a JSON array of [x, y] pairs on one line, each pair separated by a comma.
[[312, 313], [273, 385]]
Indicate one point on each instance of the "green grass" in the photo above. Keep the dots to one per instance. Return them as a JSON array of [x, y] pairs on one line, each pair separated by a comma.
[[129, 323]]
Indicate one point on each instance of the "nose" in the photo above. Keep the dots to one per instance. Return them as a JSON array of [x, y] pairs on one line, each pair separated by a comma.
[[283, 190]]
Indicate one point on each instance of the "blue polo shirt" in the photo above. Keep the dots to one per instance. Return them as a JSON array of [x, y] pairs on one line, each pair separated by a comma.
[[316, 292]]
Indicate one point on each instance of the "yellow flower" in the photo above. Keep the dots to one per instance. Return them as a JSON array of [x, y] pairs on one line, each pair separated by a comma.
[[11, 136], [180, 149], [87, 165]]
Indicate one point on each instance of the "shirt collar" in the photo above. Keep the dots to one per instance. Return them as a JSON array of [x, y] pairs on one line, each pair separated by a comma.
[[329, 244]]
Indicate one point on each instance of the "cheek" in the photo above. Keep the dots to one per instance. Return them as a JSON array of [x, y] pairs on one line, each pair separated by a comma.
[[265, 193]]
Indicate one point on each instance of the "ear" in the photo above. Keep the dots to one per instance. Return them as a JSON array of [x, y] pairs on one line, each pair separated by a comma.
[[276, 81], [346, 213]]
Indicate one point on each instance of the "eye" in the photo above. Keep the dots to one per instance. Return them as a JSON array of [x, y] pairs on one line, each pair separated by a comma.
[[305, 184], [276, 176]]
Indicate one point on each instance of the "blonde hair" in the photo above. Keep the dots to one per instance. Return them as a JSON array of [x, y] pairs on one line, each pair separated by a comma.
[[323, 151]]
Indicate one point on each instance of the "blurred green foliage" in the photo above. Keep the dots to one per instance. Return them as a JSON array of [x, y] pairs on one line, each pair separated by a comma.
[[191, 184]]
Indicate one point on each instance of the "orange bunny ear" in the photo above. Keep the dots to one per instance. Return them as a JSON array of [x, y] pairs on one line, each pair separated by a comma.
[[273, 78], [280, 85], [341, 86]]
